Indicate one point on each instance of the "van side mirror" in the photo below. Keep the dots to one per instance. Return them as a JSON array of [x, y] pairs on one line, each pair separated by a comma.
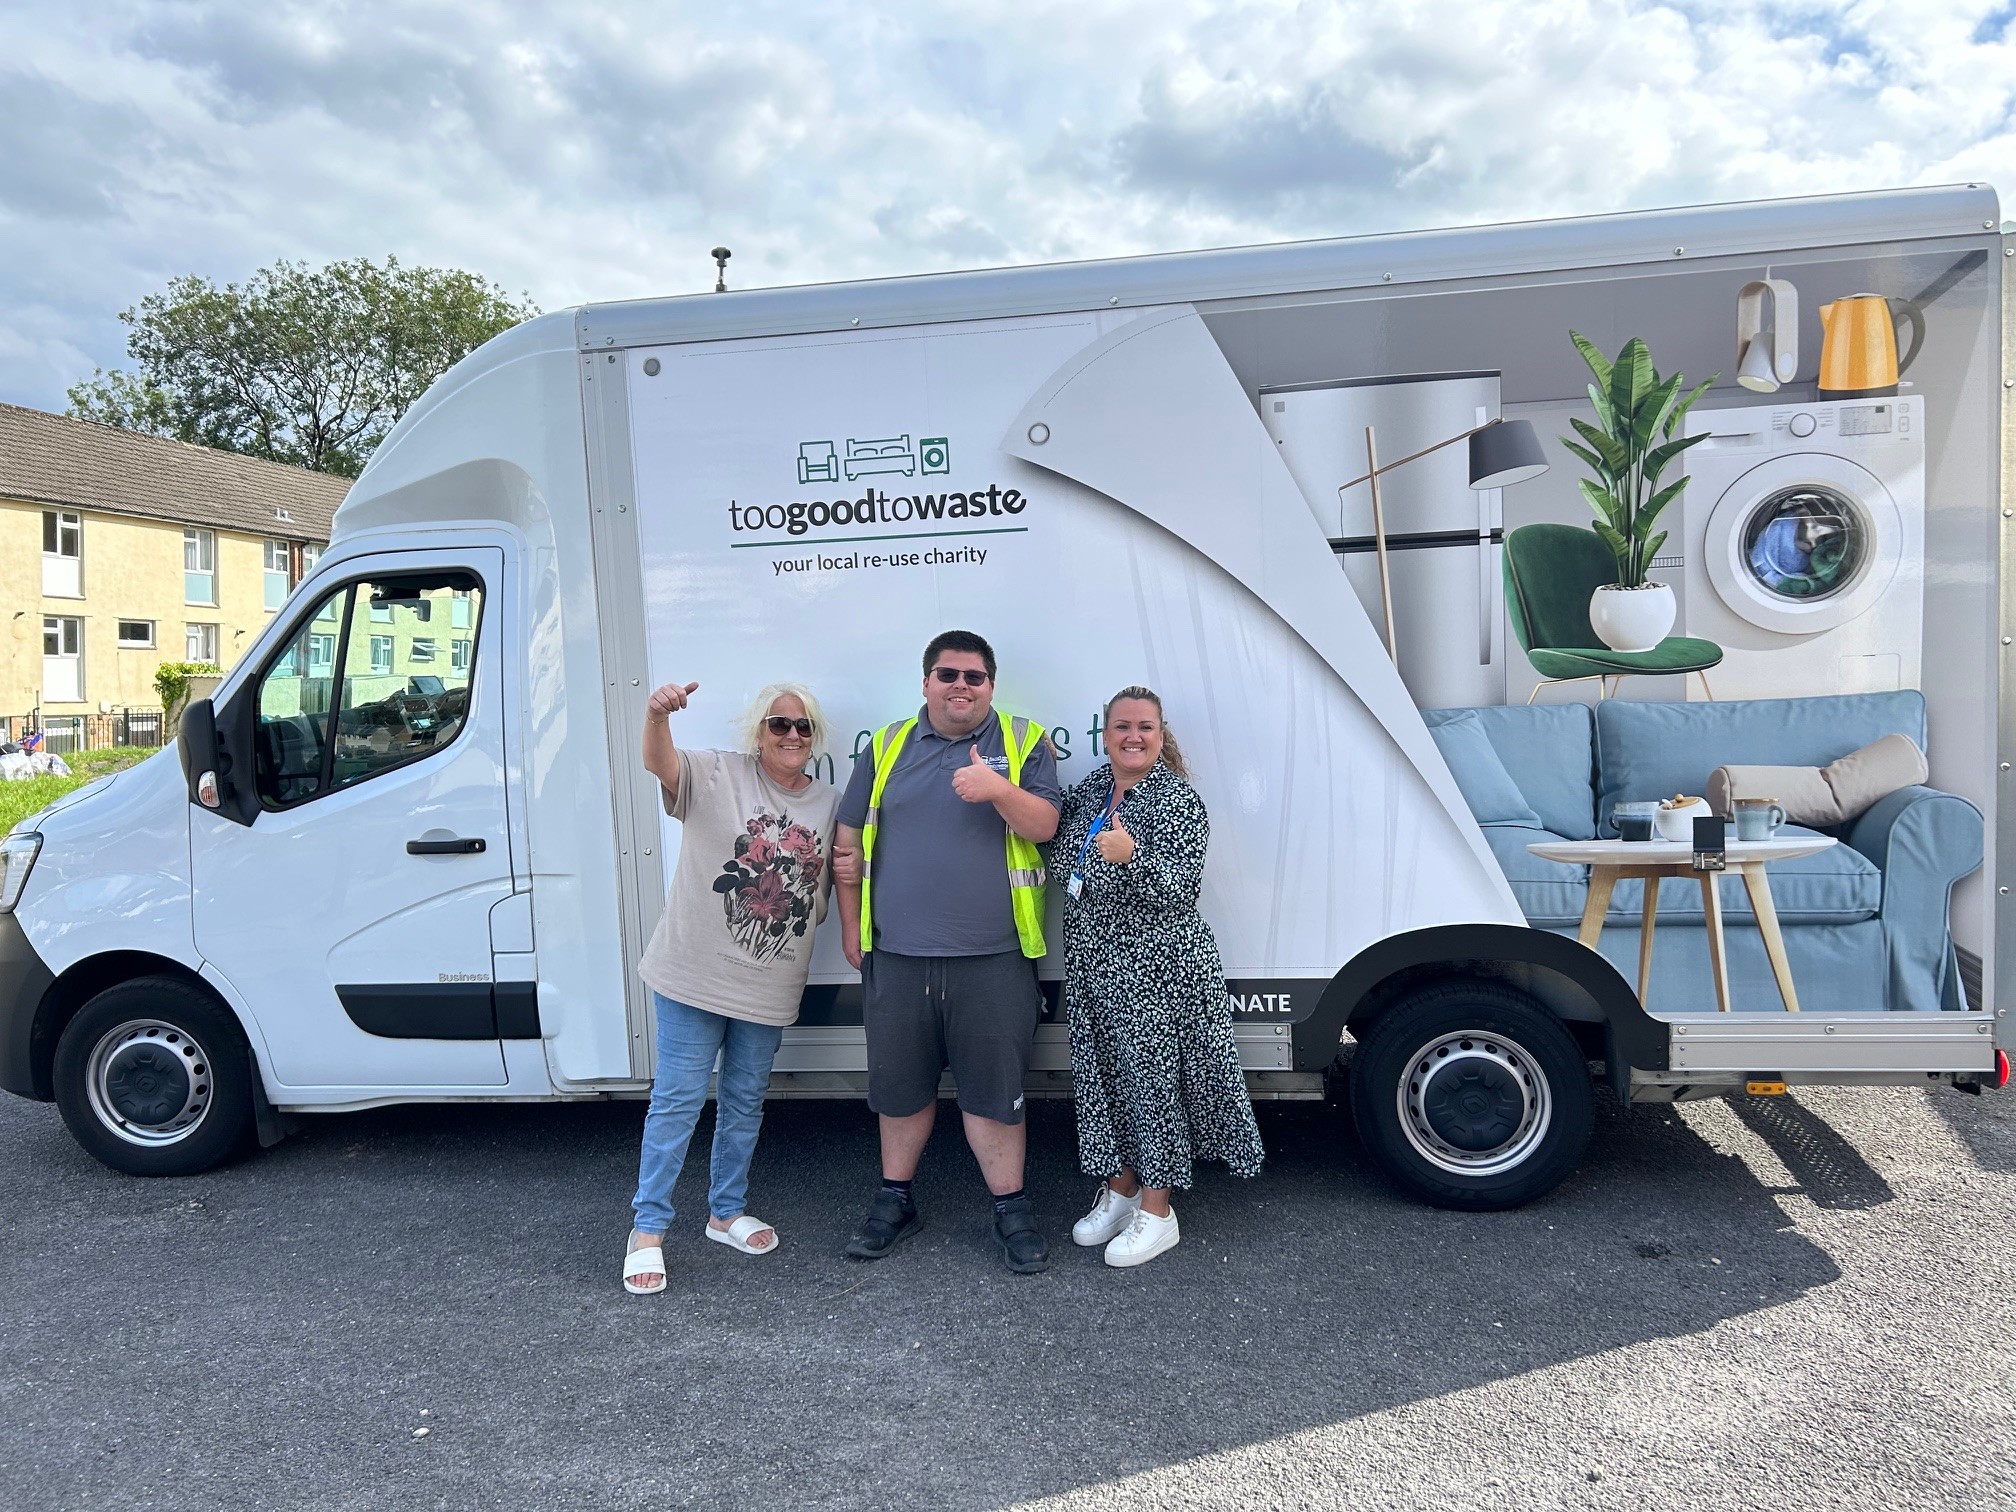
[[197, 743], [207, 764]]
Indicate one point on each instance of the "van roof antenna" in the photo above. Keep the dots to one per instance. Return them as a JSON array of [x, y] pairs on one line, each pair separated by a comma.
[[721, 256]]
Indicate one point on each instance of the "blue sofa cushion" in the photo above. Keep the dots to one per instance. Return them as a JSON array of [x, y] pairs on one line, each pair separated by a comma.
[[1493, 796], [1838, 885], [1550, 893], [1550, 752], [1654, 750]]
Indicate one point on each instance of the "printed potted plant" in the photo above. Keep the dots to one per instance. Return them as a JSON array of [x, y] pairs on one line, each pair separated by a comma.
[[1638, 415]]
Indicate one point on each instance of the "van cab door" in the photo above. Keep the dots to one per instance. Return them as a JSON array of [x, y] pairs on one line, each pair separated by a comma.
[[352, 913]]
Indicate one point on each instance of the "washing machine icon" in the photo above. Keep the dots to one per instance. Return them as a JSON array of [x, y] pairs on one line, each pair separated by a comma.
[[935, 454]]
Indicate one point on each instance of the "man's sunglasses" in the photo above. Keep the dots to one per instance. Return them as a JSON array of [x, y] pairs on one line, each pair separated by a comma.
[[975, 678], [778, 725]]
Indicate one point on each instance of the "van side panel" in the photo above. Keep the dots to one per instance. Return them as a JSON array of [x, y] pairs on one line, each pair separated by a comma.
[[817, 508]]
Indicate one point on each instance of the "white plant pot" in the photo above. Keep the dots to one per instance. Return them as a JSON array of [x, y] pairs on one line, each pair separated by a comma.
[[1632, 619]]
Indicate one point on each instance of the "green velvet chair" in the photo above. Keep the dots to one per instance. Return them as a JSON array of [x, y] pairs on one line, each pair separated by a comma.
[[1550, 572]]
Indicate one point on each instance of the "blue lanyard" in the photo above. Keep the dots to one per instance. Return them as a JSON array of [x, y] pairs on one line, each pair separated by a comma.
[[1105, 813]]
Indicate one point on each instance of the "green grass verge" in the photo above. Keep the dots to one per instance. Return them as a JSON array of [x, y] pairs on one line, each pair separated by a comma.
[[20, 799]]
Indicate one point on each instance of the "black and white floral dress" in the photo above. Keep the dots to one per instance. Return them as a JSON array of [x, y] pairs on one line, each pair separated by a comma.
[[1155, 1068]]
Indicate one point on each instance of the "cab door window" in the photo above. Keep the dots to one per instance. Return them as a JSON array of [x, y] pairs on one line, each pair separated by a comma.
[[347, 698]]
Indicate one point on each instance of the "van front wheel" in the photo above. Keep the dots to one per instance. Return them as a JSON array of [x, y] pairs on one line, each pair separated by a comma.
[[1472, 1096], [154, 1078]]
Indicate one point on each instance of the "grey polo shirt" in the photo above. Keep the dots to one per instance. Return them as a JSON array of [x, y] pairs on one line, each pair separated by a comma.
[[941, 863]]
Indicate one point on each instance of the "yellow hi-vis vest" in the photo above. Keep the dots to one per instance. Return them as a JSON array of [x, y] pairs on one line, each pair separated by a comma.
[[1025, 861]]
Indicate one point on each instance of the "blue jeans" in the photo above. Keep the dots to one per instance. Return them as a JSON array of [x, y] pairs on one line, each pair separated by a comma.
[[688, 1040]]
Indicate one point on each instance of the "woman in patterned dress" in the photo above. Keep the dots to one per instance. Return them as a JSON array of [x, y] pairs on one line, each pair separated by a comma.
[[1153, 1061]]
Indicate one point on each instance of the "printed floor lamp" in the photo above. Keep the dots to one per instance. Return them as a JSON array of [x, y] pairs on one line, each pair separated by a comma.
[[1502, 452]]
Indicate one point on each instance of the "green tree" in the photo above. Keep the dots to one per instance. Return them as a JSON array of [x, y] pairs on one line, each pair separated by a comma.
[[310, 366]]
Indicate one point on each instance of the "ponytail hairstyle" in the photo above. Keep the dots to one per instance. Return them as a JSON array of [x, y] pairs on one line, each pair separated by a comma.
[[1172, 754]]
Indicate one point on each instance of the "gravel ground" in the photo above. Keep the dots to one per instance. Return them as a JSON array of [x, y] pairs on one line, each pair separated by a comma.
[[1788, 1303]]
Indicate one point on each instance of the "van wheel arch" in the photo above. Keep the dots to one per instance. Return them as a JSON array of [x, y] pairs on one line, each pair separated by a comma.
[[1574, 983], [83, 981]]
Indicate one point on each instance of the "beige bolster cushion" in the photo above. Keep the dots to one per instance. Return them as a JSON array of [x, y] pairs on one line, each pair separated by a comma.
[[1829, 795]]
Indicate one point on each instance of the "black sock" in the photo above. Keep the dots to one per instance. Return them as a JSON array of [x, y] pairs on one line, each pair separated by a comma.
[[899, 1189], [1002, 1199]]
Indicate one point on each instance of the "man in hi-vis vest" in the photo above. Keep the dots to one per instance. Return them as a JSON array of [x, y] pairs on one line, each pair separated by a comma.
[[941, 907]]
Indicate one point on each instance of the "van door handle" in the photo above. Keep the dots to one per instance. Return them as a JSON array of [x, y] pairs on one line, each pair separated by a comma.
[[454, 847]]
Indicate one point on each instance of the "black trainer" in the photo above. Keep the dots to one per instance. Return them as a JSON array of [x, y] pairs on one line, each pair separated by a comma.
[[890, 1221], [1022, 1246]]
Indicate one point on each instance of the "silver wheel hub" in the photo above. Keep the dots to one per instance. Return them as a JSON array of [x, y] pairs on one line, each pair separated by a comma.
[[149, 1082], [1474, 1104]]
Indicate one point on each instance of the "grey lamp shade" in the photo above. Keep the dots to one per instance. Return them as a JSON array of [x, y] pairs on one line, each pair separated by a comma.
[[1505, 453]]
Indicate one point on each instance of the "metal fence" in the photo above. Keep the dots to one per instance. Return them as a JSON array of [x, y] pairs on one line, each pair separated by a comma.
[[67, 734]]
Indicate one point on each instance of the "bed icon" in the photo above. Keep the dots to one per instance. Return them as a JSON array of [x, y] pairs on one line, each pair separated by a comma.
[[817, 462], [891, 454]]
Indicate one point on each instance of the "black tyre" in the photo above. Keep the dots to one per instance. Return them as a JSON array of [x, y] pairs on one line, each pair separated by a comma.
[[1470, 1095], [154, 1078]]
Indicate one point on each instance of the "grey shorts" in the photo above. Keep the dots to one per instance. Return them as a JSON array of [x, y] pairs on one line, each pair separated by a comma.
[[976, 1014]]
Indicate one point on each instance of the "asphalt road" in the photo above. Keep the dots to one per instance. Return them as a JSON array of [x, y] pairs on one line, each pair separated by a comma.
[[1788, 1304]]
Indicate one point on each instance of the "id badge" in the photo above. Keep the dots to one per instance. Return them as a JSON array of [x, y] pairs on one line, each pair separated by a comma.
[[1075, 885]]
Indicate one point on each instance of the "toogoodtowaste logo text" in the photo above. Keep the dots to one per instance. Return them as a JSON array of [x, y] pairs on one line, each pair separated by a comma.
[[826, 462]]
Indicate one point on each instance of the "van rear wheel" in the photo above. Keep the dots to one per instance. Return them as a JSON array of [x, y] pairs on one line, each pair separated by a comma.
[[154, 1078], [1470, 1095]]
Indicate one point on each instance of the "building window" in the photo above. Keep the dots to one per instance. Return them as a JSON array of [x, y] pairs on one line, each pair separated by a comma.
[[421, 651], [458, 655], [276, 575], [62, 554], [200, 643], [199, 566], [136, 635], [310, 555], [458, 610], [62, 659], [321, 654], [381, 655]]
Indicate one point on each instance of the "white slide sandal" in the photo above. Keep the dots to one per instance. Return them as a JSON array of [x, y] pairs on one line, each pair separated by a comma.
[[736, 1235], [648, 1260]]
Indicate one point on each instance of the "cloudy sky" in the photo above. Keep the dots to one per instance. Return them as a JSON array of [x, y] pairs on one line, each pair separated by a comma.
[[600, 153]]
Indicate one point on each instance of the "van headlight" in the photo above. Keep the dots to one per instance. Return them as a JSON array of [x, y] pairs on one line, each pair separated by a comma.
[[17, 859]]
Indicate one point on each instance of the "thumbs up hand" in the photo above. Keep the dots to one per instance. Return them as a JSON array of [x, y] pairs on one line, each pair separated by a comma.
[[671, 698], [977, 782], [1114, 843]]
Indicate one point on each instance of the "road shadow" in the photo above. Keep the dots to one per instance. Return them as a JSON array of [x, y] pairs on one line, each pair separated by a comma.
[[1984, 1122], [465, 1261], [1829, 1171]]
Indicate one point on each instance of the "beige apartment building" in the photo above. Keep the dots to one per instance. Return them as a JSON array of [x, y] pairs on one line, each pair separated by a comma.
[[119, 552]]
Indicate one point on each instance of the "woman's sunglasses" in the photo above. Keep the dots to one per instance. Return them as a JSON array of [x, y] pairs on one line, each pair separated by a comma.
[[975, 678], [779, 726]]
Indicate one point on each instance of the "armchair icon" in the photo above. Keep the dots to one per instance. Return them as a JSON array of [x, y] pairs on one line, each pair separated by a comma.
[[818, 462]]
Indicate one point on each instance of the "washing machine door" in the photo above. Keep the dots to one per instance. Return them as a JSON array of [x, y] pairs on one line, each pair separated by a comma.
[[1802, 543]]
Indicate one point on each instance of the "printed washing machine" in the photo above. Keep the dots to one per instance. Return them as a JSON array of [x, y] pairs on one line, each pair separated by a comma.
[[1805, 545]]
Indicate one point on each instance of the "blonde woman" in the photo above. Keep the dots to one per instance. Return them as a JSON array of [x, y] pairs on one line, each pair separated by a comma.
[[1153, 1062], [727, 964]]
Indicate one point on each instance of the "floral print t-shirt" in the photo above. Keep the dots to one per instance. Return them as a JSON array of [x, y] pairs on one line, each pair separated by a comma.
[[748, 892]]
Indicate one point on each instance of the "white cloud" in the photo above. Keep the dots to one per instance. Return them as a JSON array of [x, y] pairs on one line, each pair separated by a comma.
[[599, 154]]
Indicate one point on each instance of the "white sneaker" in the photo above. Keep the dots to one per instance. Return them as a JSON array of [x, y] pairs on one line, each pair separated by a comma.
[[1110, 1214], [1146, 1237]]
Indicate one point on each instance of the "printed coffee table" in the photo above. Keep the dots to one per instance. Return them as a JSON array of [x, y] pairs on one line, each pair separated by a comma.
[[1613, 861]]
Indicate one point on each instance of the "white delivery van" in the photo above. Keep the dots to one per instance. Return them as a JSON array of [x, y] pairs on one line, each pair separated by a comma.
[[408, 851]]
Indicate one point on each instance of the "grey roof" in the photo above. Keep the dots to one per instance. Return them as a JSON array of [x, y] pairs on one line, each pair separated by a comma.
[[52, 459], [1398, 259]]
